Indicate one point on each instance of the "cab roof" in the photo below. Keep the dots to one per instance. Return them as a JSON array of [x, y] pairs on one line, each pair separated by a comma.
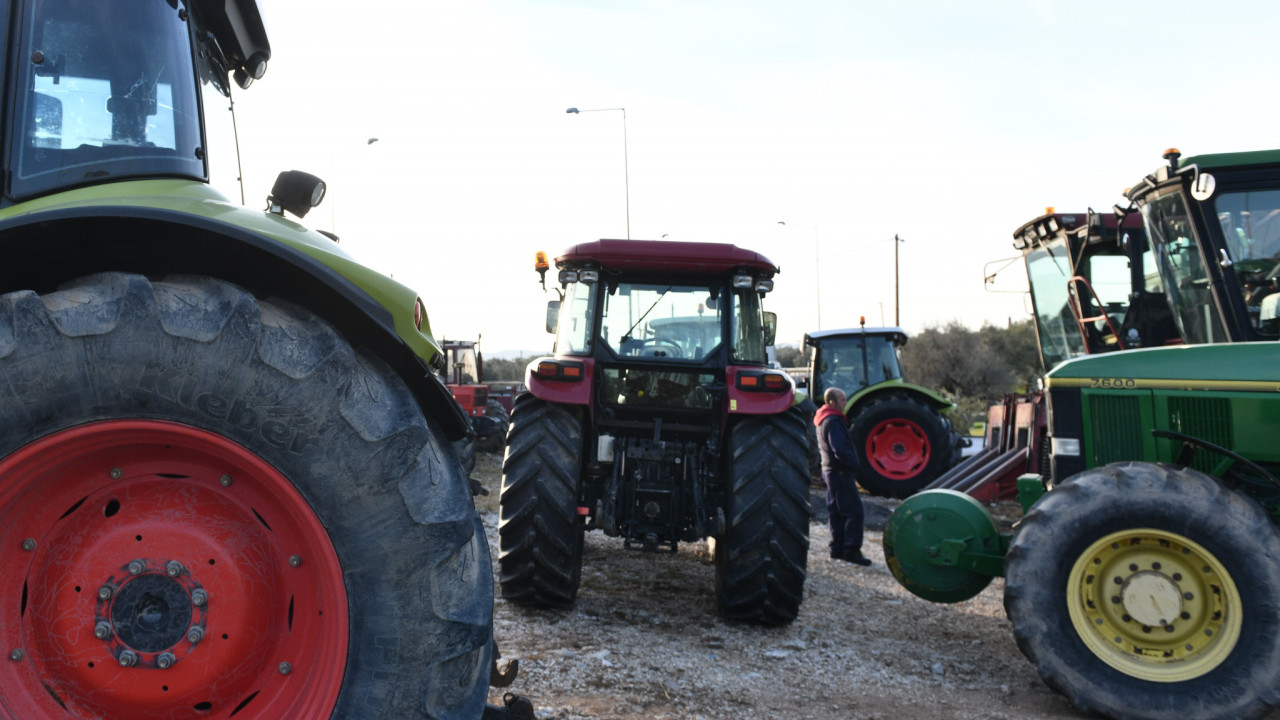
[[669, 256], [896, 334]]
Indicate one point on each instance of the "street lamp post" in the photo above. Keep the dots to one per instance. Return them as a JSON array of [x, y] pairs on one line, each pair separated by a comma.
[[817, 279], [626, 180]]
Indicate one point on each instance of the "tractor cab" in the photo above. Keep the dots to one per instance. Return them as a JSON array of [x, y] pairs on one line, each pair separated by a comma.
[[1214, 223], [1093, 285]]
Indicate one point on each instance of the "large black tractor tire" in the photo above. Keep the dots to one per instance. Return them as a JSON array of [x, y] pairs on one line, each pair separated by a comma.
[[761, 558], [1149, 591], [539, 530], [902, 444], [198, 485]]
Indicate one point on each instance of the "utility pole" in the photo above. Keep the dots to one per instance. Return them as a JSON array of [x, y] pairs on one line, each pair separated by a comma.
[[897, 322]]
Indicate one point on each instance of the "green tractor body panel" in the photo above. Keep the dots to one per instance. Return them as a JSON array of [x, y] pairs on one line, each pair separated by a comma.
[[936, 400], [199, 200], [1146, 404]]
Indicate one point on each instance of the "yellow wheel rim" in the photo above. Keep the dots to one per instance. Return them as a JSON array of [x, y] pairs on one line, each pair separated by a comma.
[[1154, 605]]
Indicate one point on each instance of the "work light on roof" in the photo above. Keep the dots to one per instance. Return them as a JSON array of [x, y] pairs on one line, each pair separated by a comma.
[[568, 276], [764, 286], [588, 276], [745, 282]]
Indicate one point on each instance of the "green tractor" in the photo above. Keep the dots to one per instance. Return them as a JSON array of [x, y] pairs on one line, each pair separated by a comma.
[[1143, 579], [902, 432], [226, 479]]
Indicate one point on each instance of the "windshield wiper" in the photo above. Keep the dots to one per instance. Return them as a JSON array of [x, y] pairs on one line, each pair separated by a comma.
[[626, 337]]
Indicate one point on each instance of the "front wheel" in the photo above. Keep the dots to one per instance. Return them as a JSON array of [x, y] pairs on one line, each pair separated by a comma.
[[214, 506], [903, 445], [762, 556], [1143, 590]]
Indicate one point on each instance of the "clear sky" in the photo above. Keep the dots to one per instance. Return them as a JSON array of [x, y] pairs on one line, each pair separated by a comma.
[[947, 123]]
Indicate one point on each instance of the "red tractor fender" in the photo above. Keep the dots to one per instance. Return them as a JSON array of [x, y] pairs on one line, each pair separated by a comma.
[[565, 380], [758, 391]]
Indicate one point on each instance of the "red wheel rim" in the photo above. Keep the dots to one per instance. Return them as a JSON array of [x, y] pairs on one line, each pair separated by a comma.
[[268, 638], [898, 449]]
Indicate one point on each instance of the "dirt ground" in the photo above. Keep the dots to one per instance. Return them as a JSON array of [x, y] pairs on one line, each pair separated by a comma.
[[643, 641]]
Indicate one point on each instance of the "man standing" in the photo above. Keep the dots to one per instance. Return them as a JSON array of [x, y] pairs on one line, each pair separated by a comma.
[[839, 463]]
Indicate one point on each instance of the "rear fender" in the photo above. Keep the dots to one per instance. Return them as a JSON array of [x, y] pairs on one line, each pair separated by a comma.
[[44, 249], [745, 402], [936, 401], [566, 391]]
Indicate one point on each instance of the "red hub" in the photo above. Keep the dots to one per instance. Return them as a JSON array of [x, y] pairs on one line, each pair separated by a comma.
[[898, 449], [154, 570]]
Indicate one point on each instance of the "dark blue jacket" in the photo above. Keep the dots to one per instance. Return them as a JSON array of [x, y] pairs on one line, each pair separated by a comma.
[[834, 443]]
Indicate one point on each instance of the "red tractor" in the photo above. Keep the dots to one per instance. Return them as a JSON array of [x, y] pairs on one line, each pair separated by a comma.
[[657, 421], [465, 379]]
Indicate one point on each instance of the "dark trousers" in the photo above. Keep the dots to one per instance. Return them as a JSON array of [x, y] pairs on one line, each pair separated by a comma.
[[844, 514]]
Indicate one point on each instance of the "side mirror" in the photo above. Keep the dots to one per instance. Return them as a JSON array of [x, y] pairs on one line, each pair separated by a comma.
[[553, 315], [770, 327]]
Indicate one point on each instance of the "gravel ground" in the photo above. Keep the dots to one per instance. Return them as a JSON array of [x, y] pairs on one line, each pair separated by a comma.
[[644, 641]]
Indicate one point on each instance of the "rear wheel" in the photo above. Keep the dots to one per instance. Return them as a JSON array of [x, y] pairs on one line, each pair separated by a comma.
[[903, 445], [199, 485], [539, 530], [761, 557], [1147, 590]]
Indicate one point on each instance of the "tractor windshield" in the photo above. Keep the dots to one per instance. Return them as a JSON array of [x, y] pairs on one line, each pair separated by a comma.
[[1186, 280], [1250, 223], [662, 322], [107, 89], [844, 364], [1049, 273]]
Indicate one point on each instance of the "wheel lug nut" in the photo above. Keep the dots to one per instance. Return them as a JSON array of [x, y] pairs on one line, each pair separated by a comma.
[[102, 631], [295, 560], [285, 668], [1186, 615], [1177, 577], [195, 635], [29, 544], [105, 592], [173, 569], [165, 661], [136, 567], [1125, 617], [225, 481], [1115, 599], [199, 597], [1155, 566], [128, 658], [16, 654], [1133, 567], [1188, 596], [116, 473]]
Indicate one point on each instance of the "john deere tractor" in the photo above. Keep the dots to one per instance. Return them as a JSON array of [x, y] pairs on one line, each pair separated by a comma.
[[657, 421], [226, 483], [903, 436], [1143, 579]]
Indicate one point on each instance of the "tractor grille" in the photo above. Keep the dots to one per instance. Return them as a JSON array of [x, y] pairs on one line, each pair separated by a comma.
[[1116, 424], [1204, 418]]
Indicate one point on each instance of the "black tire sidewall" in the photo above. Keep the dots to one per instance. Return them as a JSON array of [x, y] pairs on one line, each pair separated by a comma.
[[887, 407], [1126, 496], [281, 383]]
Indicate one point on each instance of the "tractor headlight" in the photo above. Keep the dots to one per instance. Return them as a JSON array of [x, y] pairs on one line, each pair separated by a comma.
[[1067, 447]]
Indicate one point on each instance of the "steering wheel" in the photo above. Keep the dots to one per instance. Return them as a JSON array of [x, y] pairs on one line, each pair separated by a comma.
[[654, 348]]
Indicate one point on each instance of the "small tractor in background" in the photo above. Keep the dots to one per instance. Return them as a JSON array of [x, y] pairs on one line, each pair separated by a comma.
[[226, 487], [464, 375], [657, 421], [1143, 580], [901, 431]]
